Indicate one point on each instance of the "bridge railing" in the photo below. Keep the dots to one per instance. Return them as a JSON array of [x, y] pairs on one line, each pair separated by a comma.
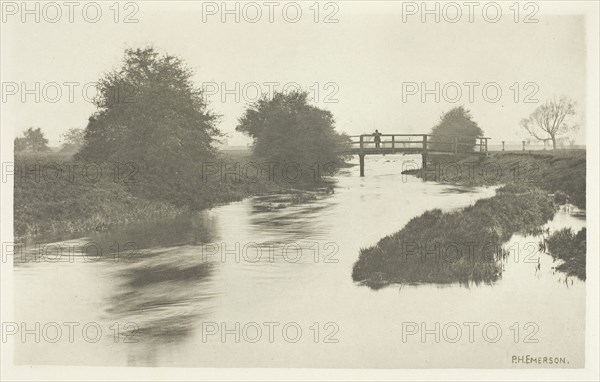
[[419, 143]]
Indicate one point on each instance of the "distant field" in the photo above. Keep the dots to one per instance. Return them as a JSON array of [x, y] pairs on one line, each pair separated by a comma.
[[519, 147]]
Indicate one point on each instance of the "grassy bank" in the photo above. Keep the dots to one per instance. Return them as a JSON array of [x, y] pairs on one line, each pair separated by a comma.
[[465, 245], [459, 246], [561, 171], [54, 194]]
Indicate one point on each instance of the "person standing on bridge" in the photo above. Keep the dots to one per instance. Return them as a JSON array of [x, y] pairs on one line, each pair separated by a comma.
[[377, 139]]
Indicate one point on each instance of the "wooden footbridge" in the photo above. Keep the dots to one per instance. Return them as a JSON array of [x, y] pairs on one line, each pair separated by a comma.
[[424, 144]]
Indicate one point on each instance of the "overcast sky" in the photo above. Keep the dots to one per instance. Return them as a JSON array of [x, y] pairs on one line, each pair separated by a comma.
[[362, 62]]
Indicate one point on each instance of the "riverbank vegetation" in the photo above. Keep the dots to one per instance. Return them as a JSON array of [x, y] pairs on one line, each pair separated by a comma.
[[456, 122], [48, 200], [535, 183], [297, 136], [140, 156], [53, 193], [558, 172], [459, 246], [570, 249], [152, 115], [149, 151], [465, 245]]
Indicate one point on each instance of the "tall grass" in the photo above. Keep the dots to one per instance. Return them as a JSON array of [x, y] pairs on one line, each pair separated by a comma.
[[460, 246], [51, 202], [570, 248], [558, 172]]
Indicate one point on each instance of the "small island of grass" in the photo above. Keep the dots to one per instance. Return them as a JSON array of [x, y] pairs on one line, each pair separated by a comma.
[[459, 246]]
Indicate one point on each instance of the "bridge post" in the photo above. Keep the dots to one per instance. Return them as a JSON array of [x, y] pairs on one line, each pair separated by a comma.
[[424, 156], [502, 145], [361, 156], [362, 164]]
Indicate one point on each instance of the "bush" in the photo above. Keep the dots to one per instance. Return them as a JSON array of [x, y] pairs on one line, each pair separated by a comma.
[[165, 130], [571, 249], [287, 130], [456, 122]]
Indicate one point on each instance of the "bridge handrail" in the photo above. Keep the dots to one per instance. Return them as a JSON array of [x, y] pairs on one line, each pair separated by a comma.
[[453, 144], [418, 135]]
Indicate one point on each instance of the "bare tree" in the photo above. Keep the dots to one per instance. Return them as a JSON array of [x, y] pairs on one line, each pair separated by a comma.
[[550, 120]]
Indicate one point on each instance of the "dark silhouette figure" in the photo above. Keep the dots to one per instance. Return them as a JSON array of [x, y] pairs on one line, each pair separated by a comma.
[[377, 139]]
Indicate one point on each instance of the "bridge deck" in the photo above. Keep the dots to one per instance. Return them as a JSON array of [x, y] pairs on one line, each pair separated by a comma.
[[398, 150], [424, 144]]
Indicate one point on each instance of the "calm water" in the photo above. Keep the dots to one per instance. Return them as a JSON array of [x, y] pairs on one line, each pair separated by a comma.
[[183, 282]]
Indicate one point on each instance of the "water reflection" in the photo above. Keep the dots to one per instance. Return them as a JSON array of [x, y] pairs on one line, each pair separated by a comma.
[[174, 284], [164, 287], [296, 221], [164, 296]]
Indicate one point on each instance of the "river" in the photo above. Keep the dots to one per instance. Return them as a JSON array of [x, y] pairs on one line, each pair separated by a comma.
[[194, 293]]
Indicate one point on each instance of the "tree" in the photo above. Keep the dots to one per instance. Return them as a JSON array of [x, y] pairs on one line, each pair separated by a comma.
[[550, 120], [20, 144], [32, 140], [456, 122], [290, 132], [151, 115], [72, 140]]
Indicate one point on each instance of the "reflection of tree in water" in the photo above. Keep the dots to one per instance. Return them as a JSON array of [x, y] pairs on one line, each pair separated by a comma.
[[192, 229], [164, 288], [289, 214]]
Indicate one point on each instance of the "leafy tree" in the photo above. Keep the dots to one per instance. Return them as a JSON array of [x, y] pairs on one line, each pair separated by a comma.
[[20, 144], [32, 140], [72, 140], [152, 116], [550, 120], [295, 135], [456, 122]]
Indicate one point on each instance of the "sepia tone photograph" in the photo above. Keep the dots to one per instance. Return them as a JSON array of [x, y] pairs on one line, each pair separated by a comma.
[[299, 190]]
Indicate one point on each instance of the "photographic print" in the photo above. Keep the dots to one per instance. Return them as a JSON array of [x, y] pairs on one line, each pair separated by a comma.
[[319, 190]]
